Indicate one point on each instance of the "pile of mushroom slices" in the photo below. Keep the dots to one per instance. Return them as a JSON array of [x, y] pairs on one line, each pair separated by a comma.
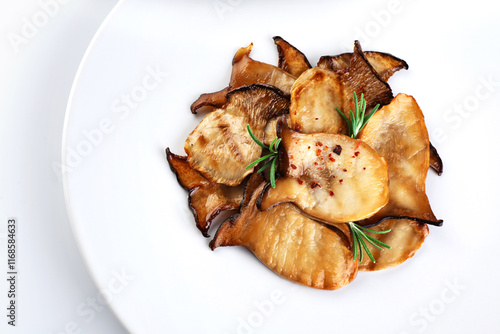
[[323, 181]]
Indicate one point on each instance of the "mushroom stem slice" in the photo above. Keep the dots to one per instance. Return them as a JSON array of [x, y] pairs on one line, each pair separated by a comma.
[[246, 71], [290, 58], [330, 177], [291, 244], [206, 200], [398, 133], [220, 147]]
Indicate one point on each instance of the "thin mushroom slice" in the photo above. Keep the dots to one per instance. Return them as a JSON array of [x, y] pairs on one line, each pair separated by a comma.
[[206, 200], [290, 244], [246, 71], [290, 58], [220, 147], [318, 92], [398, 133], [384, 64], [333, 178], [314, 98]]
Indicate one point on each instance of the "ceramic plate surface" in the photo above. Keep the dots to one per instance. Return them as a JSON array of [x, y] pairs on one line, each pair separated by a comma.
[[152, 59]]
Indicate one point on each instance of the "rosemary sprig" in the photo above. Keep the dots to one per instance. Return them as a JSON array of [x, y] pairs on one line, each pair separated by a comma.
[[359, 118], [358, 240], [273, 148]]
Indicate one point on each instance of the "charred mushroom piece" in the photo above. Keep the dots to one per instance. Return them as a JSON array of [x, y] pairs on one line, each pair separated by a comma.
[[384, 64], [246, 71], [290, 58], [333, 178], [435, 162], [398, 133], [220, 147], [291, 244], [318, 92], [206, 199], [270, 131]]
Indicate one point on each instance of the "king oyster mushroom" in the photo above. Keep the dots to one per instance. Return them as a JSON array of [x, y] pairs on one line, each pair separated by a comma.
[[330, 177]]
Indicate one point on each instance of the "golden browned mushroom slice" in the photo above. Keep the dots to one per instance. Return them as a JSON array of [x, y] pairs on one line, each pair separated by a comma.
[[220, 147], [398, 133], [318, 92], [246, 71], [330, 177], [290, 58], [384, 64], [270, 131], [206, 199], [291, 244]]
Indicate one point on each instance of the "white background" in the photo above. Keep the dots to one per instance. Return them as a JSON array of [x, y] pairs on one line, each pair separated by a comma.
[[55, 292]]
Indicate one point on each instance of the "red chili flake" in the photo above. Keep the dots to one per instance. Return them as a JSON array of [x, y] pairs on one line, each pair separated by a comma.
[[319, 143], [351, 105], [319, 168], [356, 153], [308, 147], [359, 143], [291, 157], [353, 156], [293, 166], [364, 168], [332, 159], [316, 118], [337, 150], [318, 152], [341, 180], [315, 163], [300, 181], [345, 170], [315, 184], [331, 193]]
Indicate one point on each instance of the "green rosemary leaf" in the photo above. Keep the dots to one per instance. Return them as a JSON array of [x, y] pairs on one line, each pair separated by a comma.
[[359, 118]]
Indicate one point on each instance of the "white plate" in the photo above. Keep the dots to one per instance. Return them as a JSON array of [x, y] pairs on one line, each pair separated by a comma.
[[131, 100]]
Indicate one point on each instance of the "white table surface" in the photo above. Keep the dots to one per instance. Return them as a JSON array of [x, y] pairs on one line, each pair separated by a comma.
[[55, 294]]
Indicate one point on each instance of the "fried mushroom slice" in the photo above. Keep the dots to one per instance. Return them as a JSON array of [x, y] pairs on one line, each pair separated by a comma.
[[290, 244], [314, 98], [246, 71], [206, 200], [220, 147], [318, 92], [290, 58], [398, 133], [333, 178], [384, 64]]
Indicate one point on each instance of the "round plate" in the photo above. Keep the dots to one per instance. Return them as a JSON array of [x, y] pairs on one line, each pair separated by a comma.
[[152, 59]]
